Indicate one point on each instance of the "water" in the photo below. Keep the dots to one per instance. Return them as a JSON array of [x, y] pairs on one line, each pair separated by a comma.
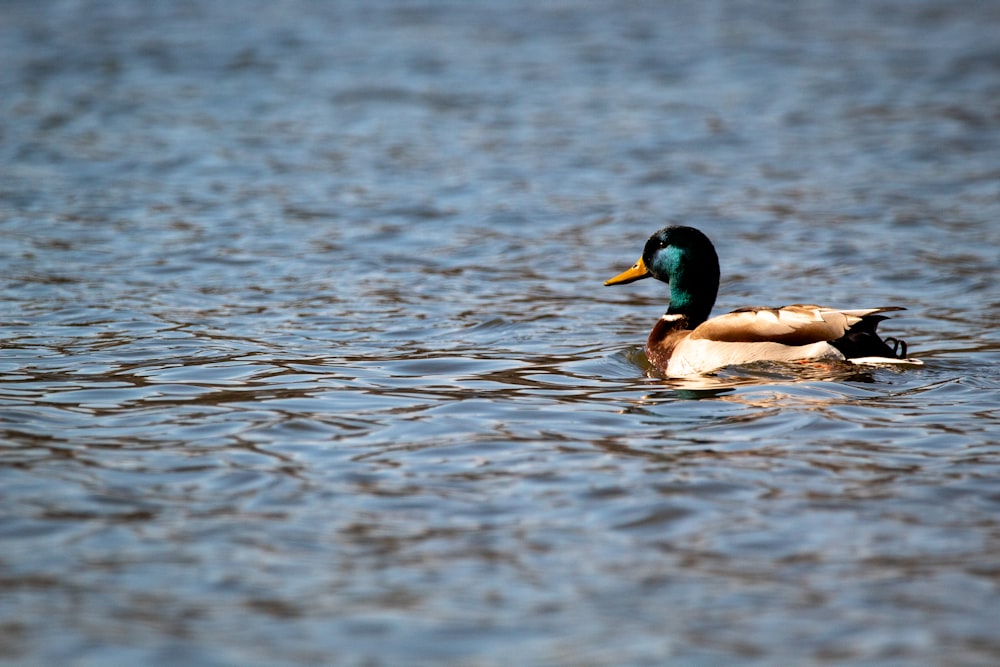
[[306, 357]]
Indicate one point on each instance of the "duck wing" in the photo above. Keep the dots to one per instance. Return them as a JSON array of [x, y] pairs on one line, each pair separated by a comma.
[[798, 324]]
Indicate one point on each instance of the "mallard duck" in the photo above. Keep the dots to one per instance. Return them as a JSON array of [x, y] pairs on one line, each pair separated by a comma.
[[686, 342]]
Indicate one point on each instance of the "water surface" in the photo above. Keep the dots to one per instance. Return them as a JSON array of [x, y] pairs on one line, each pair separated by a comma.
[[306, 358]]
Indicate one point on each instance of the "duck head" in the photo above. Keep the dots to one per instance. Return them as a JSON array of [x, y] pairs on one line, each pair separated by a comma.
[[686, 260]]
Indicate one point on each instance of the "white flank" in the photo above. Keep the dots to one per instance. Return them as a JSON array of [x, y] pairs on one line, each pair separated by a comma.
[[693, 357]]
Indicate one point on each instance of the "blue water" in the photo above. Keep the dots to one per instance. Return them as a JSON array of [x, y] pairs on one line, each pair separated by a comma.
[[306, 357]]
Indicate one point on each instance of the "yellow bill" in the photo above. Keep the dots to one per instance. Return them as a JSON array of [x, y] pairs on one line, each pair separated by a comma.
[[637, 272]]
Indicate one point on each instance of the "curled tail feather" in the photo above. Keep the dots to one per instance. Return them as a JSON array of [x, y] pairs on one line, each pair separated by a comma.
[[861, 340]]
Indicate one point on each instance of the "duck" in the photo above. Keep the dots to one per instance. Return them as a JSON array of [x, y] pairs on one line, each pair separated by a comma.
[[686, 341]]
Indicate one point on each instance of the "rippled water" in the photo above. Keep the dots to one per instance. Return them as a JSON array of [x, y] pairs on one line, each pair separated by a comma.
[[306, 357]]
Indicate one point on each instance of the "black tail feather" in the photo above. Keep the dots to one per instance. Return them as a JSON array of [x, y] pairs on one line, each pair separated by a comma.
[[862, 341], [898, 347]]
